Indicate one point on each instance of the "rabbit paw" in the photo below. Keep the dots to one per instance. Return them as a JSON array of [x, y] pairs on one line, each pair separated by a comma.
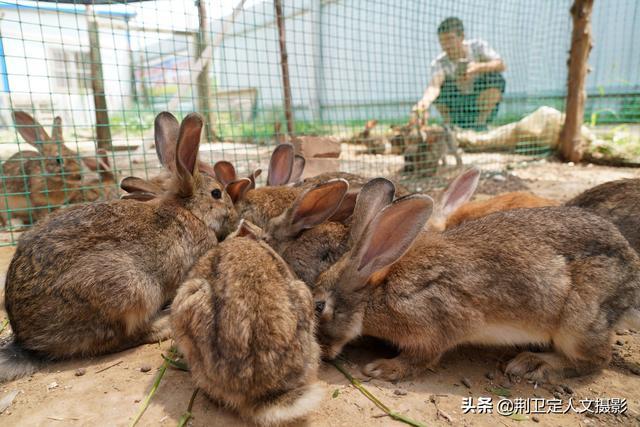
[[160, 329], [530, 366], [386, 369]]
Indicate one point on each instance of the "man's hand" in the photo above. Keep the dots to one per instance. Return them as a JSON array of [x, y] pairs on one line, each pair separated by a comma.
[[419, 106], [474, 68], [420, 110]]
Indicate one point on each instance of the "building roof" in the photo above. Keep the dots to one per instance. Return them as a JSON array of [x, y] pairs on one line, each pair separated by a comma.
[[76, 7]]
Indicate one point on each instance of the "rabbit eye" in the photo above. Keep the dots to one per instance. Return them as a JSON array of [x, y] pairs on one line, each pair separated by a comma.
[[60, 161], [320, 306], [216, 194]]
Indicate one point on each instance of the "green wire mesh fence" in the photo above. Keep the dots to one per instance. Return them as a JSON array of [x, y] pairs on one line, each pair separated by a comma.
[[354, 72]]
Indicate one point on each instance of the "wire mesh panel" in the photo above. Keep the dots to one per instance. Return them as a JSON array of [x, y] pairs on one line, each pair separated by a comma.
[[81, 85]]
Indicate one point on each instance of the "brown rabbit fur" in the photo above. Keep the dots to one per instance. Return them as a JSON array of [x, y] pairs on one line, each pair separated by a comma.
[[102, 188], [35, 182], [557, 276], [246, 328], [356, 182], [93, 279], [259, 205], [503, 202], [313, 248], [619, 202], [147, 189], [303, 236]]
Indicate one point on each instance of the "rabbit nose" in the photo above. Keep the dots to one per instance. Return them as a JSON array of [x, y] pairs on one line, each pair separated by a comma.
[[320, 306]]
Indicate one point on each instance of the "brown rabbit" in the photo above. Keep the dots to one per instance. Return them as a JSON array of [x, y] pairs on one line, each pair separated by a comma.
[[137, 188], [102, 188], [556, 276], [94, 278], [246, 328], [263, 204], [313, 248], [619, 202], [303, 236], [259, 205], [503, 202], [35, 182]]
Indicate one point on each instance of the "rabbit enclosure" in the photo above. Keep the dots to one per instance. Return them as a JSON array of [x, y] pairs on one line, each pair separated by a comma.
[[82, 81]]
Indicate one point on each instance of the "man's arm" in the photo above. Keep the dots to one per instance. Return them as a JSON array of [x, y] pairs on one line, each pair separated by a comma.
[[495, 65], [431, 93]]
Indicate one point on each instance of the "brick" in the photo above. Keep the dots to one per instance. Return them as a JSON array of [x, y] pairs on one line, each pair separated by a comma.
[[317, 147], [316, 166]]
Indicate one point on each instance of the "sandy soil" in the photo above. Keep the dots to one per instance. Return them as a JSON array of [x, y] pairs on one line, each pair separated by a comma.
[[112, 388]]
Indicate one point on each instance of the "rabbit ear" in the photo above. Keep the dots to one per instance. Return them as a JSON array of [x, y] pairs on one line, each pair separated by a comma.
[[56, 129], [277, 132], [132, 184], [187, 153], [206, 169], [346, 207], [166, 130], [93, 162], [389, 236], [281, 165], [370, 124], [246, 229], [374, 195], [316, 205], [31, 130], [224, 172], [256, 173], [238, 189], [139, 195], [459, 192], [298, 168], [103, 167]]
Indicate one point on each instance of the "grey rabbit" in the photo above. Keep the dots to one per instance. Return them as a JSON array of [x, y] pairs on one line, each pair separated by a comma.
[[314, 248], [558, 276], [246, 327], [619, 202], [93, 279]]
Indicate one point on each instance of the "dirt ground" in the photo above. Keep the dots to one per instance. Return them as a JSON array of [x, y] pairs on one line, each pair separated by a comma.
[[112, 388]]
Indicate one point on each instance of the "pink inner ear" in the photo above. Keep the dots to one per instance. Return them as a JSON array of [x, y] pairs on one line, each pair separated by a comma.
[[318, 204], [189, 141], [298, 168], [281, 165], [345, 210], [393, 231], [224, 172], [237, 189], [461, 190], [188, 159], [166, 130], [29, 128], [245, 231]]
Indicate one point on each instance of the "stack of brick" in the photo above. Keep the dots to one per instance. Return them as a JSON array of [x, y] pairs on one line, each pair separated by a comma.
[[321, 153]]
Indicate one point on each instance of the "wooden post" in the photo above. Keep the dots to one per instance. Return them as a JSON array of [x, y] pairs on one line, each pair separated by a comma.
[[284, 64], [316, 60], [581, 44], [103, 131], [203, 83], [144, 65], [132, 66]]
